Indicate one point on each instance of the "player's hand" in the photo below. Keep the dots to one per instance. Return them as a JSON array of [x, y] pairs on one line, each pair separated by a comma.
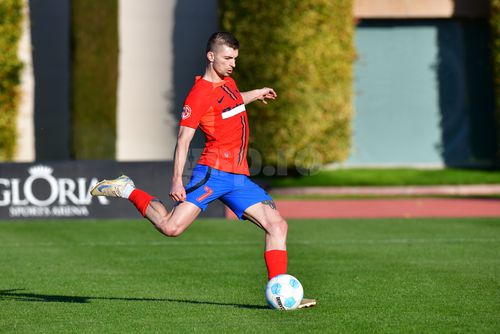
[[177, 192], [267, 93]]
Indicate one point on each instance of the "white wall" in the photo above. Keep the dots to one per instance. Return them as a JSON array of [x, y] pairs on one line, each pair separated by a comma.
[[146, 129], [25, 119]]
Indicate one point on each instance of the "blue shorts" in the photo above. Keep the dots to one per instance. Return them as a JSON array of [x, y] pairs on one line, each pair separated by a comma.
[[236, 191]]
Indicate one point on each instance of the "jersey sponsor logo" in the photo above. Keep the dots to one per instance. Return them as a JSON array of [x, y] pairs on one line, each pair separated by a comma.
[[230, 112], [186, 112], [220, 100]]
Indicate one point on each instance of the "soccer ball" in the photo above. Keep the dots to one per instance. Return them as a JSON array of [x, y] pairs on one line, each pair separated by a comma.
[[284, 292]]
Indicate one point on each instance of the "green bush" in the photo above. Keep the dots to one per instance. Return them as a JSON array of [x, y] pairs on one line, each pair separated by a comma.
[[11, 18], [94, 78], [305, 51], [495, 43]]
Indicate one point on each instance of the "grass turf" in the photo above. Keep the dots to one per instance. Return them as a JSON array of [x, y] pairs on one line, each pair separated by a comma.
[[388, 177], [377, 276]]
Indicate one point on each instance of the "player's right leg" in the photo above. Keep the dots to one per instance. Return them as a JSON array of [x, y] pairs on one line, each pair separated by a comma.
[[171, 223]]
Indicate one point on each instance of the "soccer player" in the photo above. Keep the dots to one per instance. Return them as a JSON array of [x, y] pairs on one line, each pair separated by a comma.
[[217, 107]]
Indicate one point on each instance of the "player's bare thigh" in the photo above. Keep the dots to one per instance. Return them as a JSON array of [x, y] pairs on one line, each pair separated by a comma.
[[176, 221], [263, 214]]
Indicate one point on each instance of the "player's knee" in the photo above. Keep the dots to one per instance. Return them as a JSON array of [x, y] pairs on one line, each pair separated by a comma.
[[172, 231], [284, 226], [278, 227], [171, 228]]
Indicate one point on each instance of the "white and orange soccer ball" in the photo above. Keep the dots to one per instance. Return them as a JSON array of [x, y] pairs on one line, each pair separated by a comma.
[[284, 292]]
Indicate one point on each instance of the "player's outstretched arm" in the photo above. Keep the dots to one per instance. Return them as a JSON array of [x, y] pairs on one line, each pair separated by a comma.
[[177, 191], [259, 94]]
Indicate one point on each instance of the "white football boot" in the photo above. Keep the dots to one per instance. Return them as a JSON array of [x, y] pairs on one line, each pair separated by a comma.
[[307, 303], [112, 188]]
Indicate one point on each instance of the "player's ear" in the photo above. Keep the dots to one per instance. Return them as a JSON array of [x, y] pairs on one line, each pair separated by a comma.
[[210, 56]]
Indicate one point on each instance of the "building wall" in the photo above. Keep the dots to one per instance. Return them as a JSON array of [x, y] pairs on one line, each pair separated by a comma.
[[423, 94], [396, 100], [399, 9]]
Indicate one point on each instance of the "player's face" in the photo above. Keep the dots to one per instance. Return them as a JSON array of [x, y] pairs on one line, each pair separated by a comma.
[[224, 60]]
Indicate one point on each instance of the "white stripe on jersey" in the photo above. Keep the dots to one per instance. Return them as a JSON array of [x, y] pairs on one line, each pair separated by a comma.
[[234, 111]]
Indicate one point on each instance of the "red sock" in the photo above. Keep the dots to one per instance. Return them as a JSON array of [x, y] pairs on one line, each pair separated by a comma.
[[276, 262], [141, 200]]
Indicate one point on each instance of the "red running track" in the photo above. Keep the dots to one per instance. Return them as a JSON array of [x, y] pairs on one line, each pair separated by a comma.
[[387, 208]]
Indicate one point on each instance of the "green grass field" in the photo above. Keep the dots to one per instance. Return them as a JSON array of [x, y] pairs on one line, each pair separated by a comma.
[[388, 177], [369, 276]]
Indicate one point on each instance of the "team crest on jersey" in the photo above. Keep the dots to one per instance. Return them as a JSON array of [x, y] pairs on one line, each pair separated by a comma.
[[186, 112]]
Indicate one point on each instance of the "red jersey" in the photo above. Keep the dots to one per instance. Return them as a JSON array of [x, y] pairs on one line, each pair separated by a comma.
[[219, 111]]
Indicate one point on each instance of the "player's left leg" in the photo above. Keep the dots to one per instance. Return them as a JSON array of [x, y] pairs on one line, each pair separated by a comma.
[[265, 215], [251, 202]]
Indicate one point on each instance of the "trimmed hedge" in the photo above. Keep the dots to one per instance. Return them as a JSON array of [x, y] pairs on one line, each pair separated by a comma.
[[495, 46], [305, 51], [94, 78], [11, 18]]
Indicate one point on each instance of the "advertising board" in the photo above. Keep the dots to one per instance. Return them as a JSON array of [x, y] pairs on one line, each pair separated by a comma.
[[61, 189]]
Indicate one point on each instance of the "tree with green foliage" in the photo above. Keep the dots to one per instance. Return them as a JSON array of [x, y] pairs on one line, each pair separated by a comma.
[[11, 19], [305, 51], [495, 47], [94, 78]]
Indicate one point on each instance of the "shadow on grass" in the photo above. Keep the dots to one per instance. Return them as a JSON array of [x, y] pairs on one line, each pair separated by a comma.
[[18, 295]]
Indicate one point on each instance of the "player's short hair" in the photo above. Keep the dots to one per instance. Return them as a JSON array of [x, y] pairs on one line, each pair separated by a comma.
[[222, 38]]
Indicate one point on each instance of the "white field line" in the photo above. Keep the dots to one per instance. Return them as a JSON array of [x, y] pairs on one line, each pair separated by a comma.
[[243, 242]]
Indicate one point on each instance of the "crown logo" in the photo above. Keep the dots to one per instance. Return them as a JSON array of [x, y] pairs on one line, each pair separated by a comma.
[[40, 170]]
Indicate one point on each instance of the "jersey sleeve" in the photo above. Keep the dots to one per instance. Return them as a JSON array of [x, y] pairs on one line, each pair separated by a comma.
[[195, 106]]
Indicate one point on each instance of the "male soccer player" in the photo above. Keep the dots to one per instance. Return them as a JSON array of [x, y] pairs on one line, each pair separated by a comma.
[[217, 107]]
